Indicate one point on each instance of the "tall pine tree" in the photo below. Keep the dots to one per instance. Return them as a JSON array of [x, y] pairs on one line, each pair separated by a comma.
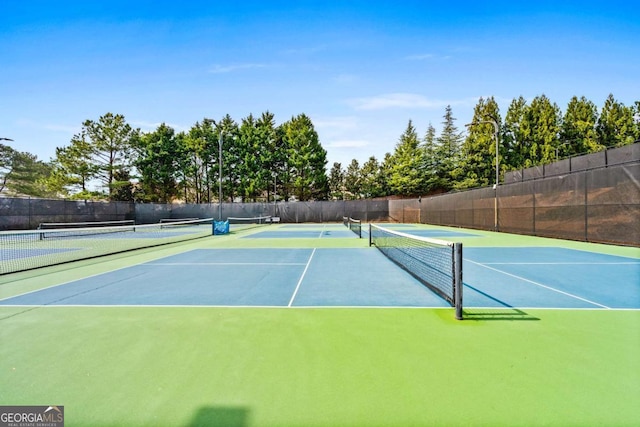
[[448, 151], [371, 176], [406, 164], [111, 137], [616, 125], [429, 168], [336, 181], [478, 161], [513, 136], [157, 159], [541, 129], [306, 160], [578, 131], [352, 180]]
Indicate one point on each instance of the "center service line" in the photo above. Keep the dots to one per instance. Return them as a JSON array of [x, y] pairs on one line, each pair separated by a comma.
[[301, 278]]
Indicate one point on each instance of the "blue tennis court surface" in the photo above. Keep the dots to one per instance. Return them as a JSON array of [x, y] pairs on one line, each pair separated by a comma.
[[566, 278], [248, 277], [523, 277], [300, 234]]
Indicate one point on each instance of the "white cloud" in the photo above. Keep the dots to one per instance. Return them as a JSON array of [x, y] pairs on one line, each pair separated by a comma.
[[336, 123], [221, 69], [405, 100], [420, 57], [394, 100], [52, 127]]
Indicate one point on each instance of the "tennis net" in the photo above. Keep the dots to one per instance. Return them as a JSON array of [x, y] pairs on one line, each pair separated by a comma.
[[354, 225], [435, 263], [172, 220], [26, 250], [58, 225]]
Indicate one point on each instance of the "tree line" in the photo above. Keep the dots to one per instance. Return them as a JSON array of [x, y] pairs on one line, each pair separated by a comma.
[[257, 160], [530, 134], [250, 160]]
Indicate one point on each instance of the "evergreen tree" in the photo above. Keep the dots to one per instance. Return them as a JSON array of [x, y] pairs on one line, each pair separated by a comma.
[[372, 184], [230, 156], [477, 166], [578, 132], [352, 182], [199, 160], [616, 125], [430, 162], [636, 121], [73, 169], [157, 160], [183, 168], [541, 128], [405, 176], [513, 136], [124, 190], [209, 157], [448, 150], [385, 174], [195, 148], [22, 174], [306, 159], [271, 156], [336, 182], [110, 138], [250, 184]]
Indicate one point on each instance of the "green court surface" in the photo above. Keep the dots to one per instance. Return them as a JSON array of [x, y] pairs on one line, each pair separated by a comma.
[[341, 366]]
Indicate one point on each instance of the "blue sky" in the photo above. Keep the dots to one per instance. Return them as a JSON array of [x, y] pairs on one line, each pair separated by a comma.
[[360, 69]]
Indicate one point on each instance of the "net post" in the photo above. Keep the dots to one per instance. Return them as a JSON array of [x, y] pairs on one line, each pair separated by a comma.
[[370, 240], [457, 284]]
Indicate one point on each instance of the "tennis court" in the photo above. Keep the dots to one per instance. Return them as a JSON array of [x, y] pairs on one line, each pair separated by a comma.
[[527, 277], [305, 324]]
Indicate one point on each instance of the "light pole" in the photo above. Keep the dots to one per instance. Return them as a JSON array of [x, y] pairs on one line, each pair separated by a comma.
[[220, 177], [496, 128], [207, 172]]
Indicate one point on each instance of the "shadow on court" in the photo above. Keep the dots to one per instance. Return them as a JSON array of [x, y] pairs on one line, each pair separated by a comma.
[[508, 314], [213, 416]]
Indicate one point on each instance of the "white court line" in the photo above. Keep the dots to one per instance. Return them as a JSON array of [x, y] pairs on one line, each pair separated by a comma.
[[539, 284], [225, 263], [304, 307], [322, 231], [562, 263], [301, 278]]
